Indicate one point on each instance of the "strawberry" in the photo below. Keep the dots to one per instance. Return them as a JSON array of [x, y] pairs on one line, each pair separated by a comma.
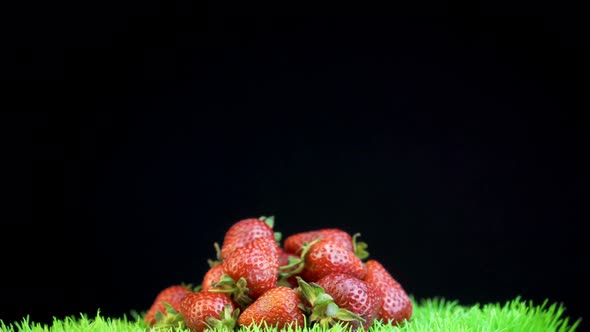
[[328, 256], [396, 305], [245, 231], [279, 307], [352, 294], [249, 271], [321, 308], [295, 242], [212, 276], [172, 296], [203, 310]]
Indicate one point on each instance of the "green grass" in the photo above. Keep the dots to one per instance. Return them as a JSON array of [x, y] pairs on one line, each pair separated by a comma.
[[429, 315]]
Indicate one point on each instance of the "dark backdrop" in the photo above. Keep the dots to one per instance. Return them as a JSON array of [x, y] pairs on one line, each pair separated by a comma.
[[136, 135]]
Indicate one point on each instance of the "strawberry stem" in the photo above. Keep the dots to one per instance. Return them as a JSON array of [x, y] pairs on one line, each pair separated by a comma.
[[296, 265]]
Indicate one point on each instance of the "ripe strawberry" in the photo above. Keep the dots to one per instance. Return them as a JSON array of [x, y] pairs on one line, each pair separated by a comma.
[[279, 307], [396, 305], [250, 270], [204, 310], [352, 294], [321, 308], [212, 276], [327, 256], [171, 295], [245, 231], [293, 243]]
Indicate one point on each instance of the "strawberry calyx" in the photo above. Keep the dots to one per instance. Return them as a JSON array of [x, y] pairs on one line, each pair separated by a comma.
[[360, 248], [270, 221], [295, 265], [238, 290], [170, 319], [218, 259], [227, 319], [321, 307]]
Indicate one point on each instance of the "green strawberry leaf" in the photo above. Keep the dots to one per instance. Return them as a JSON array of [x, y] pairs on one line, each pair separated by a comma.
[[360, 248], [217, 260], [270, 221], [227, 319], [238, 289]]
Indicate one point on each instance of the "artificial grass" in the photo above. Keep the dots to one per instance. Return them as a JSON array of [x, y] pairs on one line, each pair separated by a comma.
[[430, 315]]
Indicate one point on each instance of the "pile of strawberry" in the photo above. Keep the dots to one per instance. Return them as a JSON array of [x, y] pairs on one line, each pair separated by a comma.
[[319, 276]]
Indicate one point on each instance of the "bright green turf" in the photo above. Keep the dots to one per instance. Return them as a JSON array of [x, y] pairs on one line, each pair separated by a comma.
[[429, 315]]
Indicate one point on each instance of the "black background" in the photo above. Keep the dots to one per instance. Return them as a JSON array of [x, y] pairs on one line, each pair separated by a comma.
[[134, 135]]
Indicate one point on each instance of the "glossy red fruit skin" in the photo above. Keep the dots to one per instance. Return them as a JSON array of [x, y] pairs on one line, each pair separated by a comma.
[[172, 295], [196, 307], [353, 294], [328, 256], [257, 262], [243, 232], [211, 276], [278, 307], [396, 305], [294, 242]]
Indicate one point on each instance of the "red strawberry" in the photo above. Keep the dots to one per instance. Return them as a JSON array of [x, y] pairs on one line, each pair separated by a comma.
[[172, 295], [250, 271], [245, 231], [322, 309], [352, 294], [287, 274], [396, 305], [279, 307], [204, 310], [294, 242], [328, 256], [212, 276]]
